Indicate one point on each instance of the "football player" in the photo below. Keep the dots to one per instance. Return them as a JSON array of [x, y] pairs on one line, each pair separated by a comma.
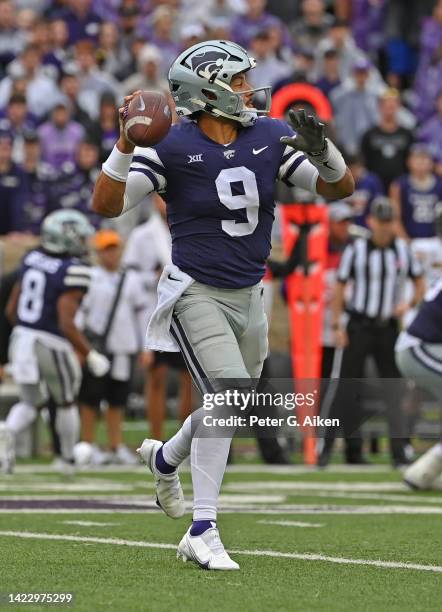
[[216, 170], [43, 303], [419, 356]]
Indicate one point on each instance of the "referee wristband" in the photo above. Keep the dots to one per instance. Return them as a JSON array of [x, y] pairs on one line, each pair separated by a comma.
[[117, 165], [330, 163]]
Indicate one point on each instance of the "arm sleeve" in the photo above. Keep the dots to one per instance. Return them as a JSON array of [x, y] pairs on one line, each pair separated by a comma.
[[345, 270], [295, 169], [147, 174]]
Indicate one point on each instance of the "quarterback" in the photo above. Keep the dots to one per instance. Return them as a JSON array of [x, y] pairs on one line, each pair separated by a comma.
[[216, 170]]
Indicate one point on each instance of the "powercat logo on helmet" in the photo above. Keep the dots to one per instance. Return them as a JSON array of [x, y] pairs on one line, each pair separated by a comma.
[[206, 63]]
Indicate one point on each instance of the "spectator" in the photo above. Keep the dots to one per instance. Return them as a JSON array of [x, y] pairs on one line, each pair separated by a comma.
[[340, 38], [385, 146], [74, 184], [128, 15], [112, 316], [312, 26], [41, 91], [191, 34], [60, 137], [12, 40], [35, 202], [70, 88], [330, 77], [149, 72], [93, 81], [431, 131], [17, 120], [162, 35], [355, 106], [367, 24], [106, 132], [302, 68], [58, 53], [368, 186], [256, 19], [81, 20], [429, 72], [114, 58], [11, 178], [269, 69], [416, 195]]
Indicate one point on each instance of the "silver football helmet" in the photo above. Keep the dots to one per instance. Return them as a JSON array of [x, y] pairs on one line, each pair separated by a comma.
[[66, 231], [200, 78]]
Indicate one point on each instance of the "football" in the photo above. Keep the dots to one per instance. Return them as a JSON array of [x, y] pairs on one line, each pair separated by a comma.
[[147, 119]]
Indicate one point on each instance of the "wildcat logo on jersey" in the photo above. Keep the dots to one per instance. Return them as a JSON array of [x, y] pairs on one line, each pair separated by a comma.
[[205, 64], [229, 154]]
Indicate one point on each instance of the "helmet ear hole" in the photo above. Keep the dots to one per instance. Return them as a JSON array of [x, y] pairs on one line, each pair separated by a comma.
[[210, 95]]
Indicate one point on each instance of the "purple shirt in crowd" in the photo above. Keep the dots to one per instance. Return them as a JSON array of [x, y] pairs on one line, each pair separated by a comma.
[[368, 23], [59, 146], [368, 187], [244, 29], [431, 134], [79, 29]]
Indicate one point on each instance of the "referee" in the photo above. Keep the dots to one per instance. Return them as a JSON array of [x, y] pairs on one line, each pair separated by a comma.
[[377, 267]]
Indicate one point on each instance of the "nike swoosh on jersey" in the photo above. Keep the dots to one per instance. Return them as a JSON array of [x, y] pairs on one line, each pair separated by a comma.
[[170, 277], [142, 105], [258, 151]]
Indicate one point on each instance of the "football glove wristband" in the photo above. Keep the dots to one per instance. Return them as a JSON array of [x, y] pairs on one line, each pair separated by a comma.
[[98, 364], [117, 165], [329, 162]]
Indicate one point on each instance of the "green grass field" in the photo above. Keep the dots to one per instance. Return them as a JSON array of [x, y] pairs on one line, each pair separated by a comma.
[[306, 540]]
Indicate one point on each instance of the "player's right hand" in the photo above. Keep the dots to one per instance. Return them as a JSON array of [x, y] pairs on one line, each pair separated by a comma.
[[98, 364], [124, 145]]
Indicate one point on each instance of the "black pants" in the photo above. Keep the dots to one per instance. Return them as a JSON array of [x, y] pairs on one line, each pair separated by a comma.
[[367, 338]]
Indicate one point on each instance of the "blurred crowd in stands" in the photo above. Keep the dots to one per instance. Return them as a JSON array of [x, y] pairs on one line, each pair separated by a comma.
[[65, 66]]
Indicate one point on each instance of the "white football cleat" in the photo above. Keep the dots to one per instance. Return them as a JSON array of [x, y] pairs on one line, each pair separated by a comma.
[[424, 472], [7, 450], [206, 550], [170, 497]]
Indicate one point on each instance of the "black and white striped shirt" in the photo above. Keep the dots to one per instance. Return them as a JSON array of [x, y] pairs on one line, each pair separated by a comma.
[[378, 276]]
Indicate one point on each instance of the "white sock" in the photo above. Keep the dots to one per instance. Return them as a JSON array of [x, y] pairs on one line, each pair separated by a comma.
[[208, 464], [67, 425], [177, 448], [20, 417]]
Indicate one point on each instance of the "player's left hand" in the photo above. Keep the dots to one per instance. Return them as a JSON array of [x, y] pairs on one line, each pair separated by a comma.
[[310, 133]]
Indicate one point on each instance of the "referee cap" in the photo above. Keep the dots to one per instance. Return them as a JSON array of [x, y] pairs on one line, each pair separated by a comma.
[[382, 209]]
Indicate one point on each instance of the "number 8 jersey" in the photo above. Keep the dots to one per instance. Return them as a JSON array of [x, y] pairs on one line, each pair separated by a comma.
[[43, 279], [220, 198]]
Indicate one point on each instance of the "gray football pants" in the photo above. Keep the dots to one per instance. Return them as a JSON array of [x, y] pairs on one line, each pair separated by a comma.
[[222, 334]]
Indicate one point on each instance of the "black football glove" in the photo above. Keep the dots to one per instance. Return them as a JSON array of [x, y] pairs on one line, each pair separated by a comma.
[[310, 133]]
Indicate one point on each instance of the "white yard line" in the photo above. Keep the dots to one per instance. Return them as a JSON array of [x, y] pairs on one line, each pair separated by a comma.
[[278, 485], [89, 523], [231, 469], [290, 523], [287, 509], [251, 553]]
